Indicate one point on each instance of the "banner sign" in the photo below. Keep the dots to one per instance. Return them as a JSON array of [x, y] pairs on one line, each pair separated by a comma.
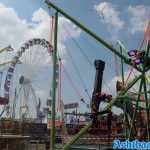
[[70, 106]]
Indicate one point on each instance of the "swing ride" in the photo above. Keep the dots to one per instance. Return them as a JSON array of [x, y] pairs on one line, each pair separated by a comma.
[[21, 113]]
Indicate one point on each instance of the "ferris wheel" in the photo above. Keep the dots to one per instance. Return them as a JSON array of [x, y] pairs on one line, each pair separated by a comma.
[[28, 79]]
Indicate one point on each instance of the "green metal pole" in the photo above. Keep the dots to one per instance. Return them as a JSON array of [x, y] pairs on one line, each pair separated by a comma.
[[114, 100], [91, 33], [125, 105], [122, 67], [122, 46], [136, 106], [52, 139], [76, 137], [147, 107], [126, 120]]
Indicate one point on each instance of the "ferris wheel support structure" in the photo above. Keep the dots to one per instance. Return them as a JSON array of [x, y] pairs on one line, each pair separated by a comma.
[[15, 61]]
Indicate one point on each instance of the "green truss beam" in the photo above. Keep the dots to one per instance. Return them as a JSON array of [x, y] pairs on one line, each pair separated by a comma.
[[136, 107]]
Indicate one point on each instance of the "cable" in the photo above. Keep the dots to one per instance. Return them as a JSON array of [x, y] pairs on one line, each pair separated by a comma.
[[116, 65], [77, 44], [71, 82], [88, 60], [93, 47], [86, 57], [142, 42], [131, 70], [69, 77], [78, 73]]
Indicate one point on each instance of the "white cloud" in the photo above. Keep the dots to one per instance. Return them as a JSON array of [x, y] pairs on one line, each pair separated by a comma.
[[66, 29], [40, 15], [43, 28], [10, 22], [15, 30], [138, 18], [109, 15], [112, 83]]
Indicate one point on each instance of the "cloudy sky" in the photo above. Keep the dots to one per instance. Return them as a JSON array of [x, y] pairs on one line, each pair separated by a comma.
[[112, 20]]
